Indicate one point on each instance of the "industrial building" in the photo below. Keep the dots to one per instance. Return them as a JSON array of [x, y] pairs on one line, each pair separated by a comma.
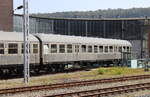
[[132, 29]]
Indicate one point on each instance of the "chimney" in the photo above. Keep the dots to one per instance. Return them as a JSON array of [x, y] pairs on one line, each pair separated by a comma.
[[6, 15]]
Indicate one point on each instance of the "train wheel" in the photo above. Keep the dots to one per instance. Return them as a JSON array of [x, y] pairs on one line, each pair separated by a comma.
[[1, 72], [49, 69], [37, 70], [19, 71], [62, 68], [115, 62]]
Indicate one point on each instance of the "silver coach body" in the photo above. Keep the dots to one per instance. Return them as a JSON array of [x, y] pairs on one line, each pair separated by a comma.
[[47, 40], [11, 43]]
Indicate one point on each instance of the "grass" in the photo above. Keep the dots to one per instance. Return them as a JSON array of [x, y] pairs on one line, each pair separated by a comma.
[[56, 78], [102, 71]]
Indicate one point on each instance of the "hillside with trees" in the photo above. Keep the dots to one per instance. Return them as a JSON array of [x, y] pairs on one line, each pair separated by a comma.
[[109, 13]]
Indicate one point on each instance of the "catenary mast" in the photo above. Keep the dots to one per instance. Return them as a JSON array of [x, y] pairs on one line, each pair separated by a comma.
[[26, 41]]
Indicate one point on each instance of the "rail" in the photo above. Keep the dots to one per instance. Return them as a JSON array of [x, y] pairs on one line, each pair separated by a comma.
[[72, 84]]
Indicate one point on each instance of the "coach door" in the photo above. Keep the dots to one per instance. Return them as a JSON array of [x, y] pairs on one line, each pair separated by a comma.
[[46, 49], [77, 50]]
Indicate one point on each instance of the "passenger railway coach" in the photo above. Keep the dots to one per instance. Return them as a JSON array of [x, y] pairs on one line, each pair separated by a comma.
[[51, 52]]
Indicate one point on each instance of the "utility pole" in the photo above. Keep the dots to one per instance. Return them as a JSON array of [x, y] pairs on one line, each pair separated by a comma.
[[26, 41], [146, 43]]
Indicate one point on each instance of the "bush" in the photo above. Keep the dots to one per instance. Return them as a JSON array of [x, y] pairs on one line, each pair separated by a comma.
[[101, 71], [118, 72]]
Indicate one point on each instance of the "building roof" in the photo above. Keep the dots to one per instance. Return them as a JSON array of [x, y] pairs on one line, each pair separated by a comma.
[[80, 40], [15, 36], [97, 19]]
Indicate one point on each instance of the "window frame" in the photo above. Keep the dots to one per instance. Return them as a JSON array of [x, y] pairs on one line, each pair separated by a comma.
[[95, 49], [22, 48], [83, 48], [101, 50], [35, 48], [120, 49], [13, 47], [2, 48], [90, 48], [77, 48], [128, 49], [110, 48], [52, 49], [62, 48], [69, 48], [106, 50]]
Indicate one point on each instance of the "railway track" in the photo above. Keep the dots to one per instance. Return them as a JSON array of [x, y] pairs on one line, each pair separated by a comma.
[[72, 84], [106, 91]]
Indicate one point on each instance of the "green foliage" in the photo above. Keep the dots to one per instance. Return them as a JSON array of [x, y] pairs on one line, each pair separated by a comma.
[[109, 13], [101, 71], [119, 72], [112, 71]]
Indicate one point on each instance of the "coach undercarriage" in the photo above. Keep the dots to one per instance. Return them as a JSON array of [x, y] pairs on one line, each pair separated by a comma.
[[56, 67]]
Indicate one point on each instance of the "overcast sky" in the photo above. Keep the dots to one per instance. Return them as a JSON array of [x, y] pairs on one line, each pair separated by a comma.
[[49, 6]]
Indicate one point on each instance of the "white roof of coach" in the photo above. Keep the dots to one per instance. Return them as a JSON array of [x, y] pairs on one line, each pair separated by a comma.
[[82, 40], [14, 36]]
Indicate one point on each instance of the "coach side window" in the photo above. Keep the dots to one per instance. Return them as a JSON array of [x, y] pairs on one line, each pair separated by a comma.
[[76, 48], [111, 48], [128, 50], [69, 48], [12, 48], [120, 49], [61, 48], [115, 49], [22, 48], [53, 48], [100, 48], [90, 49], [1, 48], [83, 48], [35, 48], [106, 49], [95, 49], [124, 48]]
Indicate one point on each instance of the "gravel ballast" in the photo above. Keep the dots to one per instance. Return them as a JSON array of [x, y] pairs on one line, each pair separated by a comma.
[[83, 88]]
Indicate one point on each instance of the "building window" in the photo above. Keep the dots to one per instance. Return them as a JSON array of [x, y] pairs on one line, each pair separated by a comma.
[[111, 48], [100, 48], [90, 49], [1, 48], [35, 48], [69, 48], [53, 48], [95, 49], [83, 48], [76, 48], [12, 48], [61, 48], [106, 49]]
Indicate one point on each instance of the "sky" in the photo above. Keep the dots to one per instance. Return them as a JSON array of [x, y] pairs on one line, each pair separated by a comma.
[[50, 6]]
